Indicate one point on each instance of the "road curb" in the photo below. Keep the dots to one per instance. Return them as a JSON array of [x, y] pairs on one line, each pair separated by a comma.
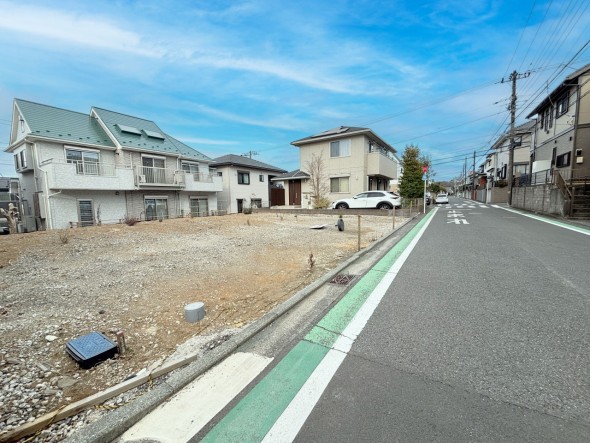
[[112, 425]]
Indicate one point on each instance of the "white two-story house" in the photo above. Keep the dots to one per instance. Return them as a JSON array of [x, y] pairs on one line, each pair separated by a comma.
[[495, 167], [355, 160], [246, 183], [79, 169]]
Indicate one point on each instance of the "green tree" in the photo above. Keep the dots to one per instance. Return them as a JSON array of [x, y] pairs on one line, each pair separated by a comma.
[[411, 184]]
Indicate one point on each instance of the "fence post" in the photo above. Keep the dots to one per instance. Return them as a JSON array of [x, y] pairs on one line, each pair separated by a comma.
[[359, 233], [394, 218], [410, 216]]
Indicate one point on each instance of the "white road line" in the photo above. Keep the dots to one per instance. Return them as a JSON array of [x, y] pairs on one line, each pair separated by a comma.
[[546, 220], [178, 419], [294, 416]]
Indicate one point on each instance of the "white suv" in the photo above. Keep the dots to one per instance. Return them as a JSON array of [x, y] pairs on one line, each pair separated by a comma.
[[369, 199]]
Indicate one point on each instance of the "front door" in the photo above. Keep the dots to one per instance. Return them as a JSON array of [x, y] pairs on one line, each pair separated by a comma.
[[240, 205], [295, 192]]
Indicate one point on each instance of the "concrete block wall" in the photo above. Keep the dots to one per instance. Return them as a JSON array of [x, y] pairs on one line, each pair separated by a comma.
[[546, 199]]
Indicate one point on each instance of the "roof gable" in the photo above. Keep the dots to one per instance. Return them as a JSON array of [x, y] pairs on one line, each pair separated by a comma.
[[61, 124], [569, 81], [245, 162], [343, 132]]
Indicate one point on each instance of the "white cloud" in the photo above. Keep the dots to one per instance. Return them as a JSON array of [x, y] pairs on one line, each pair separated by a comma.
[[73, 29], [207, 141], [278, 123]]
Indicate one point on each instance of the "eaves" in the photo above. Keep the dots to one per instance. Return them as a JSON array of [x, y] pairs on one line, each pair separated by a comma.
[[32, 137]]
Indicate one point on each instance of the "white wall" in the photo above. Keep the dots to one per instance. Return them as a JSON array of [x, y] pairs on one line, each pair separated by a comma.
[[232, 191]]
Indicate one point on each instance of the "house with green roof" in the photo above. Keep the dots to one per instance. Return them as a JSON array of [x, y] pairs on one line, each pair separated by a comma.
[[78, 169], [354, 160]]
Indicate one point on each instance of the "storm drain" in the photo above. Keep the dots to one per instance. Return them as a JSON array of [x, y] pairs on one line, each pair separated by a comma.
[[343, 279]]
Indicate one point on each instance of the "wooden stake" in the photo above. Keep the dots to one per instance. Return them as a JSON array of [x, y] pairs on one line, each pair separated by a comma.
[[359, 233]]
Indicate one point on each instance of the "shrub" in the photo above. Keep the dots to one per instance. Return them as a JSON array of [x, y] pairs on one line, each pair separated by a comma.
[[130, 221], [64, 236], [321, 203]]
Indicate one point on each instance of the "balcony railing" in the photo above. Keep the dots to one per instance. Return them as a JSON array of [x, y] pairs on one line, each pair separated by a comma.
[[156, 176], [202, 177], [87, 175], [93, 168]]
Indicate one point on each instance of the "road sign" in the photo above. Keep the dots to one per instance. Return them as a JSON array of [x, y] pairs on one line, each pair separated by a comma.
[[424, 169]]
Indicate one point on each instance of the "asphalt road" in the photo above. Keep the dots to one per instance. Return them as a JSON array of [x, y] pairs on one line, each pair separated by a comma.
[[484, 336]]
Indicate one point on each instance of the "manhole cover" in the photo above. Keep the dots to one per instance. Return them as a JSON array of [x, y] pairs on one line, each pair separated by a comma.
[[343, 279]]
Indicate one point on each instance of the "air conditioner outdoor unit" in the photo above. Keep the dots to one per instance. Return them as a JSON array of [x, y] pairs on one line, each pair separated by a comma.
[[141, 178]]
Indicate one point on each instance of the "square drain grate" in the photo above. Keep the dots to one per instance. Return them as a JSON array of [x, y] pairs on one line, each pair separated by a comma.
[[343, 279]]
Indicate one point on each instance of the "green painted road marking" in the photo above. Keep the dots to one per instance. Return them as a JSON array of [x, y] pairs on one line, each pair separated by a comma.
[[252, 418]]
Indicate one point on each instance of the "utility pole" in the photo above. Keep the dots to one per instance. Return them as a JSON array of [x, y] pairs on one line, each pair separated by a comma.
[[512, 108], [473, 179], [464, 176], [249, 154]]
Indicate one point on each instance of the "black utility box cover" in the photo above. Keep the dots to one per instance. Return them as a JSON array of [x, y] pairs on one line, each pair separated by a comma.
[[90, 349]]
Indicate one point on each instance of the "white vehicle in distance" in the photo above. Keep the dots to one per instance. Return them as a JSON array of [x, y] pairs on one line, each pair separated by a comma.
[[369, 199], [441, 199]]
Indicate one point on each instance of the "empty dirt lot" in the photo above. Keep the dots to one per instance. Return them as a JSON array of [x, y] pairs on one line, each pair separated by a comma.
[[56, 286]]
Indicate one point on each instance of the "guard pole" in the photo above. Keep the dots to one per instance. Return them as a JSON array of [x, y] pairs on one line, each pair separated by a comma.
[[393, 221]]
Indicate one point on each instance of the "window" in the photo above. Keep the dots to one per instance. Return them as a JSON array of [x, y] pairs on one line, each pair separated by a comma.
[[562, 105], [156, 208], [339, 184], [243, 178], [199, 207], [256, 203], [23, 159], [261, 177], [154, 169], [547, 118], [219, 174], [86, 161], [85, 213], [191, 168], [340, 148], [563, 160]]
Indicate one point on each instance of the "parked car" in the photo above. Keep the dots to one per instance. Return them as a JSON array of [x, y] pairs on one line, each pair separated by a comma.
[[428, 198], [441, 199], [370, 199]]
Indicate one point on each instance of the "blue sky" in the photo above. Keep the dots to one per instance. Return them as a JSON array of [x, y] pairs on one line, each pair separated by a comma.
[[227, 77]]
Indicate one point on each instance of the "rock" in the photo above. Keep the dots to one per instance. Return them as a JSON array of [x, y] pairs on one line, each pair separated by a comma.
[[50, 338], [66, 382]]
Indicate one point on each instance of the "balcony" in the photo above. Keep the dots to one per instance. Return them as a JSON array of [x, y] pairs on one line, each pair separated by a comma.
[[161, 177], [87, 175], [199, 181], [379, 163]]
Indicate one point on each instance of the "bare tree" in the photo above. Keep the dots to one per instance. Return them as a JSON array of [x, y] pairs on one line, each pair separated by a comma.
[[318, 182], [12, 217]]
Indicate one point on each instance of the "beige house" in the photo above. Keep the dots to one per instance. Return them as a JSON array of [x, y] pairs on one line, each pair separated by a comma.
[[355, 160]]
